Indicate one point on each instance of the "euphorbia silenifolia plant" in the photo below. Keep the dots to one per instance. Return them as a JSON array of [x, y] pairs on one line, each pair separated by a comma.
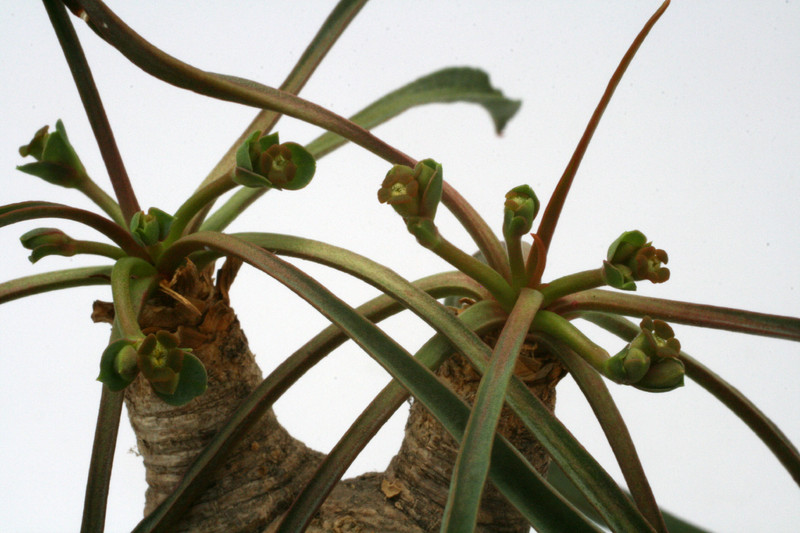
[[483, 385]]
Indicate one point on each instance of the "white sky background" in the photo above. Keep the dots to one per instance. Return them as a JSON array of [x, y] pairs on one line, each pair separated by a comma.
[[699, 149]]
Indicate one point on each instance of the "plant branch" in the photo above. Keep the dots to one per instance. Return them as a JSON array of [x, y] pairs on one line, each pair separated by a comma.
[[94, 106]]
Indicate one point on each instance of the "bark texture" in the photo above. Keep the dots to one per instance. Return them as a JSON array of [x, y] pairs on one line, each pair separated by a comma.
[[261, 477]]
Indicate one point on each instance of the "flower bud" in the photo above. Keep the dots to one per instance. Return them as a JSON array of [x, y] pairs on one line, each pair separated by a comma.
[[47, 241], [151, 228], [651, 361], [520, 209], [413, 192], [262, 162], [118, 365], [56, 160], [160, 360], [632, 258]]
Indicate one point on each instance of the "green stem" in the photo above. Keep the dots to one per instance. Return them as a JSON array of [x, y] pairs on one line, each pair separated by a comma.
[[580, 281], [562, 329], [126, 310], [480, 272], [90, 97], [487, 242], [265, 120], [232, 208], [519, 277], [102, 200], [98, 248], [537, 260], [195, 203]]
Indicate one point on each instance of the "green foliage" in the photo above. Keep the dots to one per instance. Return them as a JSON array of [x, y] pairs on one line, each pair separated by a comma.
[[514, 301]]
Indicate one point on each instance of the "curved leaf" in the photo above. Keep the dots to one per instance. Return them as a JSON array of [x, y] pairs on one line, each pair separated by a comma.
[[726, 393], [271, 388], [702, 315], [51, 281], [582, 468], [454, 84], [472, 463], [12, 213]]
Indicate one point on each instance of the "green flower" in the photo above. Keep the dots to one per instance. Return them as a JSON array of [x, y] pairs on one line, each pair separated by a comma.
[[56, 160], [650, 362], [632, 258], [160, 360], [263, 162], [151, 228], [48, 241], [413, 193], [520, 209], [118, 365]]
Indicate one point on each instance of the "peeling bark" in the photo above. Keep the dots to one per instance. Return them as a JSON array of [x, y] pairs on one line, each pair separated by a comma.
[[261, 477]]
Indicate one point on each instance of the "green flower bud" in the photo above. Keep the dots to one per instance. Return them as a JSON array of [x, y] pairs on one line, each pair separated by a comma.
[[160, 360], [520, 209], [413, 192], [56, 160], [650, 361], [47, 241], [118, 365], [262, 162], [151, 228], [632, 258]]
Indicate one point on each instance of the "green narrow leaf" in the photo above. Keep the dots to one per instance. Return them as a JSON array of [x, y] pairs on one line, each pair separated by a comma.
[[702, 315], [472, 463], [51, 281], [455, 84], [559, 481], [594, 389], [726, 393], [583, 469], [272, 387]]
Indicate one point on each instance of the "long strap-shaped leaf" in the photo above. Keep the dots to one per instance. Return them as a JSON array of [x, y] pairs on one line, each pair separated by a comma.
[[472, 463], [419, 380], [726, 393], [51, 281], [230, 88], [12, 213], [481, 317], [706, 316], [594, 389], [130, 294], [273, 386], [90, 98], [454, 84], [581, 467], [547, 225]]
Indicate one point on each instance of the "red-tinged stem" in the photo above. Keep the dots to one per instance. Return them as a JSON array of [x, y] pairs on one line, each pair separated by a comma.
[[33, 210], [94, 107], [553, 210]]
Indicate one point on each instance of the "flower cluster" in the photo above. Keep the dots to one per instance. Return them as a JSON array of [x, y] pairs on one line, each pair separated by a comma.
[[632, 258], [650, 362], [415, 193], [56, 160], [175, 374]]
